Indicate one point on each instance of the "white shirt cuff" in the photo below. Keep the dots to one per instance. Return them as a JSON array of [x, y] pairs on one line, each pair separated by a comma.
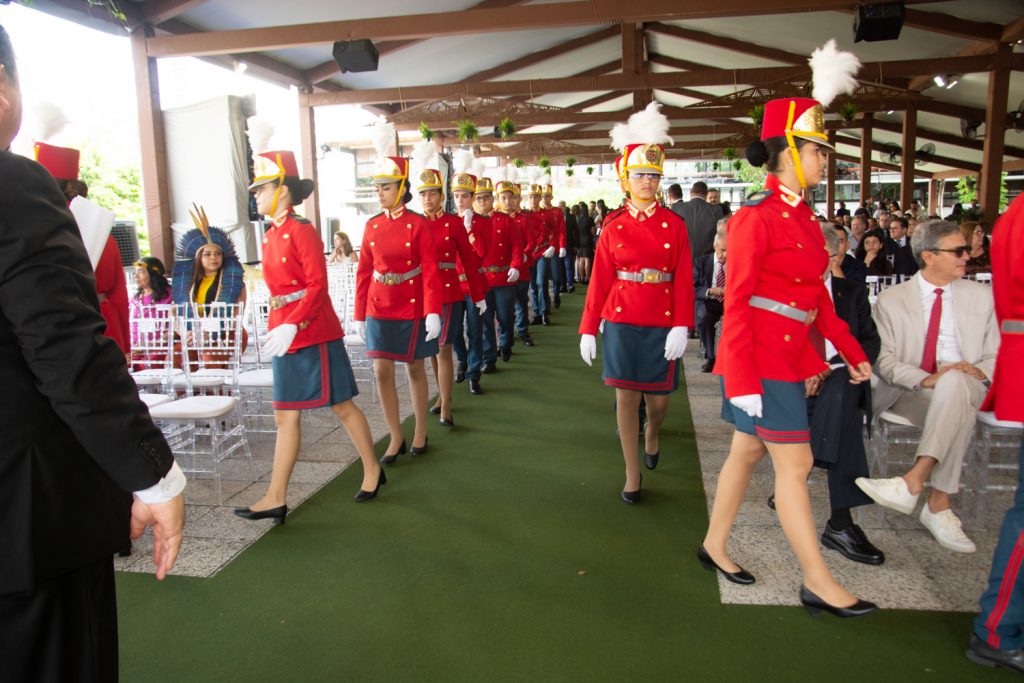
[[165, 489]]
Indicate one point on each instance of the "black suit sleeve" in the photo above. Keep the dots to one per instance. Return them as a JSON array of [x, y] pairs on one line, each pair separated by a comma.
[[867, 333], [50, 311]]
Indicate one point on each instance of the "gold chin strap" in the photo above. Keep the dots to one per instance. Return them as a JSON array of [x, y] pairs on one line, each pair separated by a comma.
[[401, 193], [791, 142], [273, 204]]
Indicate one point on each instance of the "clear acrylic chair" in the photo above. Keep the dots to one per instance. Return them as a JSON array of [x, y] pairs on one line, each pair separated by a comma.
[[993, 462], [152, 330]]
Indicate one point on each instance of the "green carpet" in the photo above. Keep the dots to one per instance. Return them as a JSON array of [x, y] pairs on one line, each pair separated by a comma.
[[505, 554]]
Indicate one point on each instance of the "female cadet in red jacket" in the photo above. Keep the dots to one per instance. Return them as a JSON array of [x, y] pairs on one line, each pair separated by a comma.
[[774, 293], [642, 288], [310, 365], [398, 295]]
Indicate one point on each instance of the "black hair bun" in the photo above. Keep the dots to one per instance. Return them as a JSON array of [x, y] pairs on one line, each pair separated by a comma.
[[757, 153]]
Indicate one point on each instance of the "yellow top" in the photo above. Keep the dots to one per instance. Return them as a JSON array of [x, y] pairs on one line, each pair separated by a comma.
[[204, 287]]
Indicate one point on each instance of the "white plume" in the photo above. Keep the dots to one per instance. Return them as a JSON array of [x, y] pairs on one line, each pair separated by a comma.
[[424, 155], [478, 168], [382, 135], [463, 161], [645, 127], [535, 173], [832, 72], [259, 131], [499, 174], [52, 119]]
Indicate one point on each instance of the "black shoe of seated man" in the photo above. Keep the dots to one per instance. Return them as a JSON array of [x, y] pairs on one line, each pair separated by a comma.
[[506, 353], [546, 319], [490, 367], [771, 501], [980, 652], [708, 366], [571, 289], [527, 339], [535, 320], [691, 334], [852, 544], [558, 301], [460, 373], [474, 387]]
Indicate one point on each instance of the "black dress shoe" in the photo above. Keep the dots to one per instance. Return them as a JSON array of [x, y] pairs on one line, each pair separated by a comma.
[[651, 460], [852, 543], [446, 422], [364, 496], [435, 410], [771, 501], [506, 353], [277, 514], [390, 459], [742, 577], [460, 373], [708, 366], [535, 320], [546, 319], [558, 301], [979, 652], [474, 387], [489, 367], [633, 497], [420, 450], [125, 551], [527, 339], [571, 289], [813, 604]]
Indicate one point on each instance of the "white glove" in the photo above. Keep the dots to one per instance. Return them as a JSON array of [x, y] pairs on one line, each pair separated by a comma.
[[588, 348], [280, 339], [600, 327], [562, 252], [748, 403], [357, 328], [467, 219], [675, 343], [549, 252], [513, 275], [481, 305], [433, 325]]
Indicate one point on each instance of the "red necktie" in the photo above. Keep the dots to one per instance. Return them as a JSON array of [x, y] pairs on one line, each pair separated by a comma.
[[720, 280], [931, 338]]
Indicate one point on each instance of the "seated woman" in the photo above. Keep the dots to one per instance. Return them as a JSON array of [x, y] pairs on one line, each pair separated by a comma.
[[871, 251], [980, 261], [152, 289], [343, 253]]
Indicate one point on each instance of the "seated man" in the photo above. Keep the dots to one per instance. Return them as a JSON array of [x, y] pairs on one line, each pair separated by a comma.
[[939, 345], [897, 246], [709, 286], [853, 269]]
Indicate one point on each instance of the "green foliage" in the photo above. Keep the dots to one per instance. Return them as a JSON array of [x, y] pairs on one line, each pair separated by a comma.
[[590, 170], [737, 165], [967, 191], [751, 174], [118, 188], [757, 113], [570, 162], [518, 163], [848, 111], [716, 166], [506, 128], [544, 162], [468, 131], [729, 153], [425, 132], [569, 172], [109, 5]]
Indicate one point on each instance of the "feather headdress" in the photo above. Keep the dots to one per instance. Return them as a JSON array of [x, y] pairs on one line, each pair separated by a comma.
[[833, 72], [382, 135], [463, 161], [51, 119], [259, 131], [645, 127]]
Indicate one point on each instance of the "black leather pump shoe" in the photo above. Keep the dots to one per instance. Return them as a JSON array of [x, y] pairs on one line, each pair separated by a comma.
[[420, 450], [742, 577], [390, 459], [651, 459], [813, 604], [364, 496], [277, 514]]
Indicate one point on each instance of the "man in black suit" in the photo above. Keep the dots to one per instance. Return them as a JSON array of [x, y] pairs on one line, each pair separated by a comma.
[[701, 220], [836, 412], [852, 269], [76, 438], [709, 293], [898, 245], [842, 210], [674, 196]]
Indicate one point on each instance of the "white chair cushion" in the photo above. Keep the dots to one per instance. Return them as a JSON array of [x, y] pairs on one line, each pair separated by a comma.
[[353, 340], [892, 417], [989, 418], [256, 378], [199, 381], [194, 408], [150, 377], [154, 399]]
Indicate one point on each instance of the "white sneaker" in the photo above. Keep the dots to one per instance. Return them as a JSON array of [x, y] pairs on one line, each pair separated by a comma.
[[892, 493], [945, 527]]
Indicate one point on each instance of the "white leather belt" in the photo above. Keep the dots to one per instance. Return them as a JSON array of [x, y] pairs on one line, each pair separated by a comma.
[[446, 265], [786, 311], [396, 278], [648, 276], [277, 302]]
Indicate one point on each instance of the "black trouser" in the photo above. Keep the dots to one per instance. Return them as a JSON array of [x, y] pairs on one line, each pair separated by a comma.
[[66, 630], [837, 420], [708, 316]]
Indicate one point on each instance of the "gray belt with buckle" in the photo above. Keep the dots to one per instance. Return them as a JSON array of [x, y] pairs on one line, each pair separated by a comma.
[[494, 269], [649, 276], [446, 265], [782, 309], [1013, 327], [277, 302], [396, 278]]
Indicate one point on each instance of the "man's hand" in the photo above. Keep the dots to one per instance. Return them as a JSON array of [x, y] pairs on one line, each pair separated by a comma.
[[969, 370], [167, 520], [859, 373], [716, 291], [931, 380], [813, 384]]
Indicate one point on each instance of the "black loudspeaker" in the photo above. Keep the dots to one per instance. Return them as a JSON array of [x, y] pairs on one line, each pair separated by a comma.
[[878, 22], [127, 242], [356, 55]]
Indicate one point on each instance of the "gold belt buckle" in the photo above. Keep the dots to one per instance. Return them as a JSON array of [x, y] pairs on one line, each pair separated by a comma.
[[651, 276], [811, 315], [275, 302], [390, 279]]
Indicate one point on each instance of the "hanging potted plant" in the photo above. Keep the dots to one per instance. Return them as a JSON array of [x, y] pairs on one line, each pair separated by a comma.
[[468, 132], [568, 173], [729, 153], [848, 111], [544, 162], [570, 162], [518, 163], [737, 164], [506, 128], [590, 170], [757, 114], [425, 132], [716, 166]]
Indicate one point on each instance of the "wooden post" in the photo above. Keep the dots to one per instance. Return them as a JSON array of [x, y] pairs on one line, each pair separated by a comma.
[[634, 60], [156, 194], [865, 159], [995, 132], [909, 150], [307, 133], [935, 187], [830, 187]]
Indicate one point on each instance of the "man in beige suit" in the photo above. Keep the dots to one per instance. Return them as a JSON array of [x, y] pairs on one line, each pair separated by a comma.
[[939, 344]]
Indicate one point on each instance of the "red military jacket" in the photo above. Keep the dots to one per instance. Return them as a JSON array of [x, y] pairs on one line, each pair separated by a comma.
[[293, 260], [558, 227], [506, 250], [655, 239], [544, 228], [777, 251], [479, 234], [530, 231], [1007, 251], [452, 248], [113, 293], [397, 242]]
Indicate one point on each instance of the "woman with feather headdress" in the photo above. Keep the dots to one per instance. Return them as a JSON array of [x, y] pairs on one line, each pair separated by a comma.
[[774, 292]]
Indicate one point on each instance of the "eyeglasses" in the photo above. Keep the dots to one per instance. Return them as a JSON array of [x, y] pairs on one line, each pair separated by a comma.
[[959, 251], [644, 176]]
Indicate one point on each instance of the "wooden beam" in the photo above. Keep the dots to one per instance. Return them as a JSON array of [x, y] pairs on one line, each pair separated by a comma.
[[909, 150], [155, 191], [995, 133], [543, 55], [466, 22], [952, 26], [947, 138], [865, 176], [879, 147], [634, 60], [1013, 32], [676, 63], [865, 158], [727, 43], [158, 11]]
